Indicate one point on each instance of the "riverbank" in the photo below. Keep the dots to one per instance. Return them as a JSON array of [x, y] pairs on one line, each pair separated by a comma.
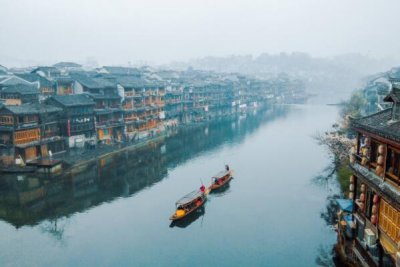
[[77, 158], [129, 197]]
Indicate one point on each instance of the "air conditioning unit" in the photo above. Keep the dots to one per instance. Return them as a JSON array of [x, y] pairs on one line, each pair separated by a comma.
[[369, 237]]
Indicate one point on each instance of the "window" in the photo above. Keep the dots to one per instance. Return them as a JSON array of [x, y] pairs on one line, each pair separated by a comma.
[[396, 112], [27, 119], [393, 164], [368, 203], [6, 120], [374, 151], [389, 220], [360, 143]]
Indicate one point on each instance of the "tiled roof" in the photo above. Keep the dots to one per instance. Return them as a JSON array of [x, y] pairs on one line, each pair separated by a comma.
[[84, 80], [13, 80], [32, 109], [93, 82], [132, 82], [64, 80], [122, 70], [103, 82], [73, 100], [30, 77], [21, 89], [46, 69], [380, 124], [33, 77], [101, 96], [67, 65], [128, 81]]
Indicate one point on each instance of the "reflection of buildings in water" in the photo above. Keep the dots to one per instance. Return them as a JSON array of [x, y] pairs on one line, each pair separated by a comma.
[[33, 199]]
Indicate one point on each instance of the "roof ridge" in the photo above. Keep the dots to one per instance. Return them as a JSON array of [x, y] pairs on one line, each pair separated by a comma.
[[373, 114]]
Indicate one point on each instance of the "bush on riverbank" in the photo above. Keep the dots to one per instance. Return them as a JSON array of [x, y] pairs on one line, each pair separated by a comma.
[[343, 176]]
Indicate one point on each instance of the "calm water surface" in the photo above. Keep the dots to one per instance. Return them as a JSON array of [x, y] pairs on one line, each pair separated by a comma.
[[116, 212]]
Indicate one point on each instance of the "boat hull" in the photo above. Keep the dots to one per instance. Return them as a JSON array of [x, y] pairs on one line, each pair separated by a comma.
[[176, 218], [215, 186]]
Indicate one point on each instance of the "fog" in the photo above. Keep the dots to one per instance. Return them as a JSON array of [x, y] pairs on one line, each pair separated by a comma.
[[159, 31]]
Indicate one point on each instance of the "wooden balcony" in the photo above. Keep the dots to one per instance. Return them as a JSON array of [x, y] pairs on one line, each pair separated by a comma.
[[7, 120], [27, 136], [129, 94], [131, 118], [127, 106]]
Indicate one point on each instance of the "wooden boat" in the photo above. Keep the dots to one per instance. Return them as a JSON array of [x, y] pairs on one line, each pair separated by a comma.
[[194, 216], [220, 179], [189, 204]]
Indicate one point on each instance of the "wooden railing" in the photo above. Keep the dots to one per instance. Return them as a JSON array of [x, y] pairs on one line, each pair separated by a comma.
[[129, 94], [23, 137]]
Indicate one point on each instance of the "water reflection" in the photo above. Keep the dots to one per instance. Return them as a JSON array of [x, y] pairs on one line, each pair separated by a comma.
[[30, 199], [326, 255]]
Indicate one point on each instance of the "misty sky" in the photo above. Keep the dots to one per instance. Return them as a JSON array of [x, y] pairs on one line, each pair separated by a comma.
[[159, 31]]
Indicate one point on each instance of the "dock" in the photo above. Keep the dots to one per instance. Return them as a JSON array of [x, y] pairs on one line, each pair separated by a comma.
[[47, 165]]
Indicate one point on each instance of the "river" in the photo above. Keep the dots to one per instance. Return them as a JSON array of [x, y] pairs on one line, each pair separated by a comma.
[[115, 212]]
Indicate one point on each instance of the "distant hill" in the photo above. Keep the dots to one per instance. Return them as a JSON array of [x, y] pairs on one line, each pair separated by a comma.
[[334, 78]]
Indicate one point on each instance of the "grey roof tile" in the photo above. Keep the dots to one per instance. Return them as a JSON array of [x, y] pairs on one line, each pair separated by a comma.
[[73, 100]]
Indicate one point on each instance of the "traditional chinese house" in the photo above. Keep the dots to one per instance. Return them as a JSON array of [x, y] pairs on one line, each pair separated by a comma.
[[107, 110], [109, 117], [173, 104], [47, 72], [29, 131], [143, 106], [375, 186], [19, 94], [64, 86], [130, 105], [46, 87], [220, 98], [77, 119]]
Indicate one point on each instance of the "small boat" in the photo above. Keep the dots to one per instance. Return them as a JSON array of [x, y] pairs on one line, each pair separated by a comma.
[[189, 204], [220, 179], [190, 219]]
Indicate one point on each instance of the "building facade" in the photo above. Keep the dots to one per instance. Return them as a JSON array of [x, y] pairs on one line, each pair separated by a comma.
[[370, 233]]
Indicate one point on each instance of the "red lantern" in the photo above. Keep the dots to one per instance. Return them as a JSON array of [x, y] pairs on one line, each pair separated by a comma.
[[376, 199], [374, 209], [374, 219], [362, 197]]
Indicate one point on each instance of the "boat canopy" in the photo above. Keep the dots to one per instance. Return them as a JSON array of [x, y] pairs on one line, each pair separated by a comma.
[[189, 198], [221, 174]]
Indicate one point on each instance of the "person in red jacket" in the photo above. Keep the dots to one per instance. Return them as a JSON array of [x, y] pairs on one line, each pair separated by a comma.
[[203, 188]]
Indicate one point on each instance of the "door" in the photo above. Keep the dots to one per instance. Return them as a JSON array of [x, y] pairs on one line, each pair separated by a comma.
[[30, 153]]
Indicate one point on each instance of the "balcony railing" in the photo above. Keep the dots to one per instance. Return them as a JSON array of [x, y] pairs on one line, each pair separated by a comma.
[[362, 253], [129, 94]]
